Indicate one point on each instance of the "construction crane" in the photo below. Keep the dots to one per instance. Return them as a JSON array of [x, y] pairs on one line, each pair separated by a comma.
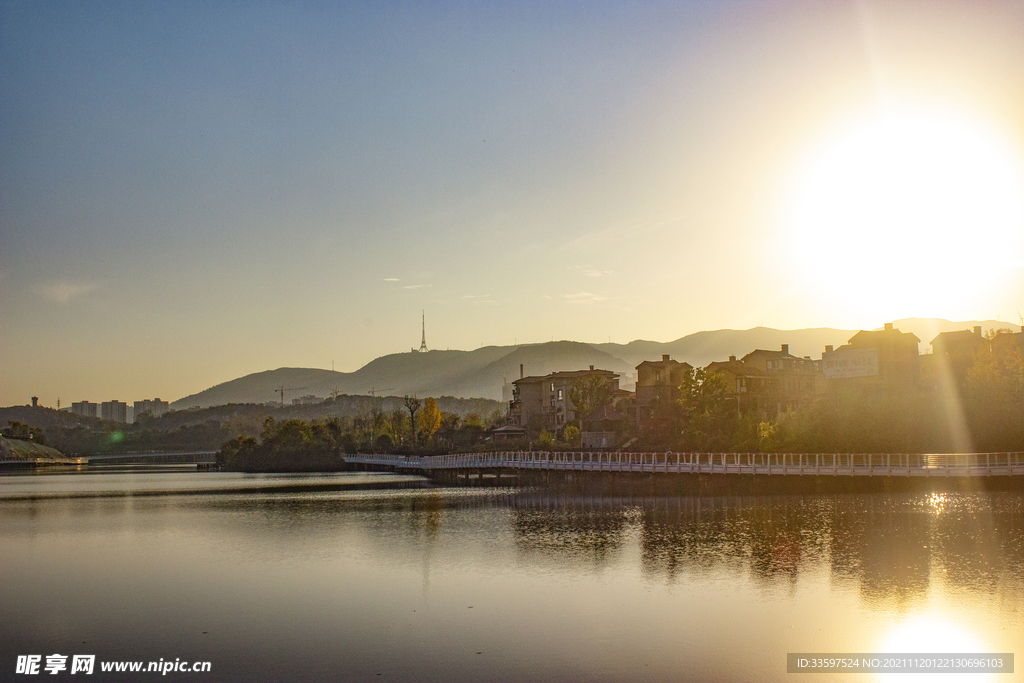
[[281, 390]]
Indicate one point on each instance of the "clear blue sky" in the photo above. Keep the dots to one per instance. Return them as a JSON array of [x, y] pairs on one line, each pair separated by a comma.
[[193, 191]]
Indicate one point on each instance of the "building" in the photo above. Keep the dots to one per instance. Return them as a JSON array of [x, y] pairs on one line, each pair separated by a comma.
[[84, 408], [659, 380], [116, 411], [657, 386], [543, 402], [745, 384], [874, 359], [954, 352], [307, 400], [789, 379], [155, 408]]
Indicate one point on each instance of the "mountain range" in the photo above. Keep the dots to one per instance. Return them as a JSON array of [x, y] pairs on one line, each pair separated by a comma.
[[483, 372]]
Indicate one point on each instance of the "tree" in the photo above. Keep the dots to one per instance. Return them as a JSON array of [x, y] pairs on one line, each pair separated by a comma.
[[471, 430], [430, 419], [571, 435], [701, 402], [497, 418], [701, 392], [239, 453], [450, 425], [545, 439], [412, 404], [589, 394], [394, 425], [994, 397], [18, 430]]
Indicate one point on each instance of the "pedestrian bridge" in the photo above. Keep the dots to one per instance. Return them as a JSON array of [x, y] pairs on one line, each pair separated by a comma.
[[813, 464], [169, 457]]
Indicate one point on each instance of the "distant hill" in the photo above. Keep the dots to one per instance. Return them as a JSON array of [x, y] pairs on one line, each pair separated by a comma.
[[481, 373], [465, 374], [47, 418], [927, 329], [700, 348]]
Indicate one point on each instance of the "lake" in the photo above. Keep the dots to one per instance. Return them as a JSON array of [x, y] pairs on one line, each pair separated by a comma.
[[378, 577]]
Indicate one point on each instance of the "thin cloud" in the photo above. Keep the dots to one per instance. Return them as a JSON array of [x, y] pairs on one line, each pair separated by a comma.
[[591, 271], [617, 234], [63, 292], [391, 279], [475, 296], [583, 298], [416, 286]]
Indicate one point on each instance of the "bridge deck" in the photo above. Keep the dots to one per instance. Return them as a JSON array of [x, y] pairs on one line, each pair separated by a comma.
[[183, 456], [815, 464]]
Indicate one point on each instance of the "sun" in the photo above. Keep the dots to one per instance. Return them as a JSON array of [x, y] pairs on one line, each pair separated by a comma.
[[909, 212]]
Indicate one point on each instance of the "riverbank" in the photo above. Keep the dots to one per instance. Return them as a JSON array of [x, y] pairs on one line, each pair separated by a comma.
[[21, 453]]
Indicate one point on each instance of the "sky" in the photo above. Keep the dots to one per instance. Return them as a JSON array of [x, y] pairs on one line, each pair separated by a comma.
[[195, 191]]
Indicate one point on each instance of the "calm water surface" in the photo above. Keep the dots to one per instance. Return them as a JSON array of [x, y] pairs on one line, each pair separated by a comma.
[[300, 578]]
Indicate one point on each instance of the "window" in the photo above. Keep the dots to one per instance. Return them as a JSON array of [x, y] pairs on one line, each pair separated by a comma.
[[559, 394]]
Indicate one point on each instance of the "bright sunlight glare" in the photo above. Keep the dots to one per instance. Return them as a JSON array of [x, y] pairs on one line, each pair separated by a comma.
[[931, 636], [909, 212]]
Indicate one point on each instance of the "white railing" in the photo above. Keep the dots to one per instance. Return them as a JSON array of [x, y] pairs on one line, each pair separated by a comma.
[[859, 464]]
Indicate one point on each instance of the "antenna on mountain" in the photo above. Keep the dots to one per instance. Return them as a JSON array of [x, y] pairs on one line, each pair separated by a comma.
[[423, 343]]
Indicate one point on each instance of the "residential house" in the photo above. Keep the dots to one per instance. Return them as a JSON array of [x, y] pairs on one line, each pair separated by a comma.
[[953, 353], [657, 386], [789, 379], [745, 384], [885, 358], [543, 402]]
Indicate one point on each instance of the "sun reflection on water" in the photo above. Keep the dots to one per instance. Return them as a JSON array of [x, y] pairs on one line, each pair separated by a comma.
[[932, 635], [937, 502]]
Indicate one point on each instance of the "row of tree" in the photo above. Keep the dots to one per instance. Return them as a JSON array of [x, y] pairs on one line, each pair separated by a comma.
[[319, 445]]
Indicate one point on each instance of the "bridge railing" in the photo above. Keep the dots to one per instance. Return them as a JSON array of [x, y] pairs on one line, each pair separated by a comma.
[[782, 463]]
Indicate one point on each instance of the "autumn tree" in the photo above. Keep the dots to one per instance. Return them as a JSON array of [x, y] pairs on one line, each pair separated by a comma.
[[430, 420], [571, 435]]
